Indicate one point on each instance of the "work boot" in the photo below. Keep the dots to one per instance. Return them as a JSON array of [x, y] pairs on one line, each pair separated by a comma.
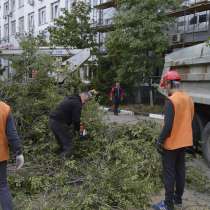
[[162, 206]]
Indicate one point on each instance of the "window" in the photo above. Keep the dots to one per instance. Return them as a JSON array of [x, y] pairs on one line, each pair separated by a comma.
[[21, 25], [203, 18], [42, 16], [21, 3], [31, 22], [6, 8], [12, 3], [6, 31], [13, 27], [54, 10], [193, 20]]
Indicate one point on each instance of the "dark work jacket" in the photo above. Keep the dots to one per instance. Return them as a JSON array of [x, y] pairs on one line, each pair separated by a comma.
[[69, 111], [168, 122], [12, 135]]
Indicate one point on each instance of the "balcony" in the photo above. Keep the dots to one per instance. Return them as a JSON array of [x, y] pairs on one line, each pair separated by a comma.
[[105, 4], [105, 25], [191, 7]]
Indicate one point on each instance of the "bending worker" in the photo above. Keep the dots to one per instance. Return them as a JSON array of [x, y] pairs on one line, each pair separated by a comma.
[[8, 135], [66, 114], [175, 137]]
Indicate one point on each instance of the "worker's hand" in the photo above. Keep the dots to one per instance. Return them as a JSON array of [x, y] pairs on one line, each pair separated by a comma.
[[159, 147], [83, 134], [19, 161]]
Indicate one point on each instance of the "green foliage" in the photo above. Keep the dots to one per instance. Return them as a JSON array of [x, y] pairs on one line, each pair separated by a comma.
[[73, 28], [139, 40], [115, 168], [31, 98], [105, 78]]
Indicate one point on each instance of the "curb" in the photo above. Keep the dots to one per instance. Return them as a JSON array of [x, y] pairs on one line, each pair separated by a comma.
[[127, 112]]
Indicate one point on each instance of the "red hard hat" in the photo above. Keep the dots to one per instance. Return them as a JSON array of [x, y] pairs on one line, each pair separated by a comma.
[[171, 75]]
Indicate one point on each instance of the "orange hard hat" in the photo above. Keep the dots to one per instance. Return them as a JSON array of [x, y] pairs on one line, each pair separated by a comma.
[[171, 75]]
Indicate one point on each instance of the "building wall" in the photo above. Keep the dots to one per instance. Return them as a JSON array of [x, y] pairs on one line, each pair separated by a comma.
[[22, 17], [27, 17], [191, 28], [102, 18]]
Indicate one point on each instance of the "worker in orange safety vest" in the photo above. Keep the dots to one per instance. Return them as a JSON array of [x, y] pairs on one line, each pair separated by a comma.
[[8, 135], [176, 136]]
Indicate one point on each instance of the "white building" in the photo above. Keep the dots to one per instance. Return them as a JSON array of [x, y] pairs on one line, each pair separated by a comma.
[[103, 13], [20, 17], [23, 17]]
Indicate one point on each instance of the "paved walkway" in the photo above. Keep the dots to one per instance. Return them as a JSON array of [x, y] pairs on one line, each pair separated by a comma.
[[126, 119]]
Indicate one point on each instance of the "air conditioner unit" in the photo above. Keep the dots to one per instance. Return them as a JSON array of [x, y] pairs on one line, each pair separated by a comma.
[[177, 38], [31, 2]]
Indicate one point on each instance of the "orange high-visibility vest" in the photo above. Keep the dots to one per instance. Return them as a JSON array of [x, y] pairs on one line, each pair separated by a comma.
[[4, 149], [181, 134]]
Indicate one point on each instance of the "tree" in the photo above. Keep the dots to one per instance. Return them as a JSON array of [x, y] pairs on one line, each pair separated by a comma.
[[32, 93], [73, 29], [139, 41]]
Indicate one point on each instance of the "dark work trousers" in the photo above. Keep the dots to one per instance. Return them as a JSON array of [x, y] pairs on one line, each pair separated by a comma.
[[5, 196], [62, 135], [174, 175], [116, 103]]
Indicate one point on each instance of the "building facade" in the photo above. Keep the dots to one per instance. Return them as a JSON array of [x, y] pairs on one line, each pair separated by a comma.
[[191, 25], [103, 12], [23, 17]]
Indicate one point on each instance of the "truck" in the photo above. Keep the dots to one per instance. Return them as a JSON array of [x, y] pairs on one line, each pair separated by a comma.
[[193, 65]]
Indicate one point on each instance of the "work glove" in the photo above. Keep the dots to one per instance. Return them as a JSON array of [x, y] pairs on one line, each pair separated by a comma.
[[82, 132], [19, 161], [159, 147], [83, 135]]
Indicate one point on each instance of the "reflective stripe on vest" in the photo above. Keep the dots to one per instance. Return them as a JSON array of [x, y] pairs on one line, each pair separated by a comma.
[[181, 134], [4, 150]]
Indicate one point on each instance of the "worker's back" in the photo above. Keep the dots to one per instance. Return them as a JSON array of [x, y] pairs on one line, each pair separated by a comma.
[[181, 134], [68, 110]]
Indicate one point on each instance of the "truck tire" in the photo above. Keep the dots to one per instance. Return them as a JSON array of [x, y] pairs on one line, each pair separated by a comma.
[[206, 143]]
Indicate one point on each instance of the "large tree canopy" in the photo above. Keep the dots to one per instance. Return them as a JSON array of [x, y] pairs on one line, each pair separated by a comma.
[[139, 40], [73, 28]]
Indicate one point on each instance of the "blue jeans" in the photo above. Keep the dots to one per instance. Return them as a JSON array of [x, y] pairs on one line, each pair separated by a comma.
[[5, 196]]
